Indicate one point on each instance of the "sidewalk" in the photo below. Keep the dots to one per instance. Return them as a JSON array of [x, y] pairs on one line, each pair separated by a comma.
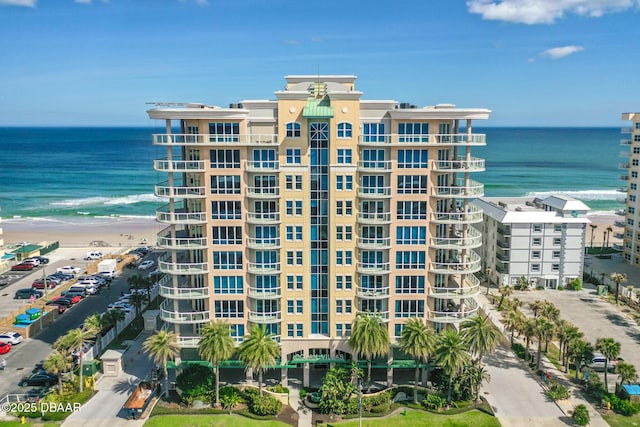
[[105, 407], [565, 406]]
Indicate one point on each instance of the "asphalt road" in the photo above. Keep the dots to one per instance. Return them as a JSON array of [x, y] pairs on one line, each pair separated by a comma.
[[23, 357]]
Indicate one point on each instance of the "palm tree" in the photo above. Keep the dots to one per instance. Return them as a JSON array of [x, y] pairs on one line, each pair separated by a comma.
[[74, 342], [57, 363], [162, 346], [573, 334], [138, 281], [544, 331], [451, 355], [593, 228], [418, 341], [481, 335], [549, 311], [475, 375], [93, 323], [627, 372], [610, 348], [137, 299], [515, 303], [618, 278], [258, 350], [216, 345], [513, 320], [505, 291], [580, 351], [609, 231], [529, 331], [536, 306], [369, 339]]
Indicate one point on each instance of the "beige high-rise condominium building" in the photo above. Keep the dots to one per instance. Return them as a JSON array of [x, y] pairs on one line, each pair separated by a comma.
[[299, 213], [631, 212]]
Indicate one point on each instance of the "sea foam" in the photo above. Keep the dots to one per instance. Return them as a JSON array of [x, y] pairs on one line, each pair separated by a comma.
[[580, 194]]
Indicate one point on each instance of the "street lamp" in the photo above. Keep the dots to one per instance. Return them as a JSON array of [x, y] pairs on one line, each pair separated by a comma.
[[488, 272], [360, 402]]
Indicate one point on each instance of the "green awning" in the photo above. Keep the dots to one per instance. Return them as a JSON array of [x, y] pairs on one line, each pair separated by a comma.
[[317, 109]]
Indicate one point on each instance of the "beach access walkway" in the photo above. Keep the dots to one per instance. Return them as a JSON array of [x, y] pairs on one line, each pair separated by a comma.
[[104, 409]]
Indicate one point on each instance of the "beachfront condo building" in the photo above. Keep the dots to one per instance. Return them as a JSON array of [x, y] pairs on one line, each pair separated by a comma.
[[630, 218], [301, 212], [531, 241]]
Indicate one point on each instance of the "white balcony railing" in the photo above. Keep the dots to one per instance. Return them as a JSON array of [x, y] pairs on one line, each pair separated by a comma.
[[374, 192], [263, 242], [472, 240], [168, 314], [461, 164], [465, 139], [164, 165], [374, 243], [178, 139], [263, 218], [165, 241], [183, 293], [263, 267], [165, 265], [374, 218], [263, 192], [265, 293], [461, 189], [176, 191], [374, 166], [265, 317], [470, 264], [180, 216], [473, 215], [262, 166], [372, 293], [456, 314], [373, 267]]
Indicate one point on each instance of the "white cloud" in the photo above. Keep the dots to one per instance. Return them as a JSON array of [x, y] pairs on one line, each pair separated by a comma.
[[26, 3], [561, 52], [544, 11]]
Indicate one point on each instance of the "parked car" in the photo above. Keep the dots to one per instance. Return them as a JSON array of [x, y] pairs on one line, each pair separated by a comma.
[[5, 347], [63, 276], [39, 284], [60, 301], [74, 298], [22, 267], [43, 260], [39, 379], [72, 294], [53, 278], [145, 265], [70, 269], [26, 293], [598, 362], [4, 281], [12, 338], [34, 261], [127, 308]]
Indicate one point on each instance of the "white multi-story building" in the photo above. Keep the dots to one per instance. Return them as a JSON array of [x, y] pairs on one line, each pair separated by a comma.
[[541, 240], [631, 167]]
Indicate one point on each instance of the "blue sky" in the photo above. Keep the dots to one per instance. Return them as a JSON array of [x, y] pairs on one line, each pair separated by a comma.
[[532, 62]]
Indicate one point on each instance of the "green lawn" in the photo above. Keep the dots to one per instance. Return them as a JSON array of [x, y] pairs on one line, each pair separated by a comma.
[[27, 424], [622, 421], [209, 421], [420, 418]]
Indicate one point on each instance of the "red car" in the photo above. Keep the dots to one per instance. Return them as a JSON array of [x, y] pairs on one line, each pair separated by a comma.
[[5, 347], [39, 284], [74, 299], [22, 267]]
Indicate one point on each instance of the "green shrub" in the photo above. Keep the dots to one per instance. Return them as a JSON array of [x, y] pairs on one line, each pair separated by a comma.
[[581, 415], [560, 288], [519, 350], [265, 405], [249, 394], [558, 392], [303, 393], [622, 406], [278, 389], [575, 284], [595, 388], [434, 402], [195, 382]]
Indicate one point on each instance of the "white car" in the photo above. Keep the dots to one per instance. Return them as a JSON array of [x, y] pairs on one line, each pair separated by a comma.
[[12, 338], [145, 265], [127, 308], [70, 269]]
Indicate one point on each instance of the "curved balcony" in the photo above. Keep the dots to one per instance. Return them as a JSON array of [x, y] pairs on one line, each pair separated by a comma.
[[265, 317], [461, 189], [183, 293], [622, 190], [469, 309], [474, 164], [188, 341], [626, 142], [263, 192], [470, 290], [624, 177], [180, 216], [263, 267], [384, 315], [374, 218], [165, 241], [164, 165], [168, 314], [374, 192], [471, 241], [621, 212], [183, 139], [619, 223], [166, 266], [262, 166], [372, 293], [472, 216], [622, 200], [374, 243], [373, 267], [263, 242], [459, 139], [263, 218], [624, 154], [623, 165], [471, 264], [181, 192], [265, 293], [374, 166]]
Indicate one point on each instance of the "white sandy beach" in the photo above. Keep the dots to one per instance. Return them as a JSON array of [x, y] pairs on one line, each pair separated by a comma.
[[103, 232]]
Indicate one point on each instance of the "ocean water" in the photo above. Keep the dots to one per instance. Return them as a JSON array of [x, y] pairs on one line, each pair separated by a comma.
[[75, 173]]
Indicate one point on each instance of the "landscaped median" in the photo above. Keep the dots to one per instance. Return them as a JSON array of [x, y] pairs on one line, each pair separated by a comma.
[[209, 420]]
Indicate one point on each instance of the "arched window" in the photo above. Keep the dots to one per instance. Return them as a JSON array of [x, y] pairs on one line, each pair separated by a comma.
[[344, 130], [293, 130]]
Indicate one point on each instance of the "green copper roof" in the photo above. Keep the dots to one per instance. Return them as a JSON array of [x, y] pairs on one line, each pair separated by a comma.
[[317, 109]]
